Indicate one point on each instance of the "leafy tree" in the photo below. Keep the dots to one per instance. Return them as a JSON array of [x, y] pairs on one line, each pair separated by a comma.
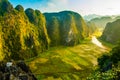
[[105, 63], [116, 54]]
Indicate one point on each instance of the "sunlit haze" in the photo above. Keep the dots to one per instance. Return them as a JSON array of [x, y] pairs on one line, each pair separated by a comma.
[[84, 7]]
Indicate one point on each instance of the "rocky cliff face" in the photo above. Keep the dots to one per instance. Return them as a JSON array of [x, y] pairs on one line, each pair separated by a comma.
[[65, 28], [112, 32], [15, 71]]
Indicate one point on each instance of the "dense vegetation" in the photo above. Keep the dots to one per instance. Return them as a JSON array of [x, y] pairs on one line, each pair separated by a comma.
[[25, 34], [19, 37], [68, 27], [109, 66]]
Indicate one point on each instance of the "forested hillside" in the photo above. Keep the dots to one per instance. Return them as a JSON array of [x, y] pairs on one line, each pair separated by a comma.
[[19, 37], [111, 32]]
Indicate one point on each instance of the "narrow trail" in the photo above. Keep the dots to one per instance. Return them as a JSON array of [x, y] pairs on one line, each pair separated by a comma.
[[97, 42]]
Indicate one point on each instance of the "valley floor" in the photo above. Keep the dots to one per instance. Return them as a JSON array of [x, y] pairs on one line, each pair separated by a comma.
[[67, 63]]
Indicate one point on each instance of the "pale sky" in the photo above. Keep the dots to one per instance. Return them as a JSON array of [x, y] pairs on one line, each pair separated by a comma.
[[84, 7]]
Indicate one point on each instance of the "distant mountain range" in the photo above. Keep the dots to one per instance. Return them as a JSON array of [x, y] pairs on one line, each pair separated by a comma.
[[91, 16], [101, 21]]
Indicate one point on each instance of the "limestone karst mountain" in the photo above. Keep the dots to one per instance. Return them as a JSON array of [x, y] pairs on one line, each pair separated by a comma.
[[18, 36], [112, 32], [25, 34], [66, 28]]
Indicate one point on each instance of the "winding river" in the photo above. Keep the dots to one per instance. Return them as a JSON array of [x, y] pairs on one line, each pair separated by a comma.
[[97, 42]]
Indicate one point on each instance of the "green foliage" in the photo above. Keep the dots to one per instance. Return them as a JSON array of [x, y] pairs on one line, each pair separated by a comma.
[[38, 20], [112, 73], [53, 31], [1, 45], [97, 75], [20, 39], [103, 62], [115, 57]]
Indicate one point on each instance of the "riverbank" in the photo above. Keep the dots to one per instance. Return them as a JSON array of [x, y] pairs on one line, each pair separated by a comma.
[[97, 42]]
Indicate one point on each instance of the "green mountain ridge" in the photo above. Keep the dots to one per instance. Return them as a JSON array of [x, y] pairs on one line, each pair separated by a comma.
[[18, 36]]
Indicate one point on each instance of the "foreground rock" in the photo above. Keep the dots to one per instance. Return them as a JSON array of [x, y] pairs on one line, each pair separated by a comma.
[[15, 71]]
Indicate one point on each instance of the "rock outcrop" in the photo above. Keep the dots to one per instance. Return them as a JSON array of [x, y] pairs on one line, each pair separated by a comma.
[[15, 71]]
